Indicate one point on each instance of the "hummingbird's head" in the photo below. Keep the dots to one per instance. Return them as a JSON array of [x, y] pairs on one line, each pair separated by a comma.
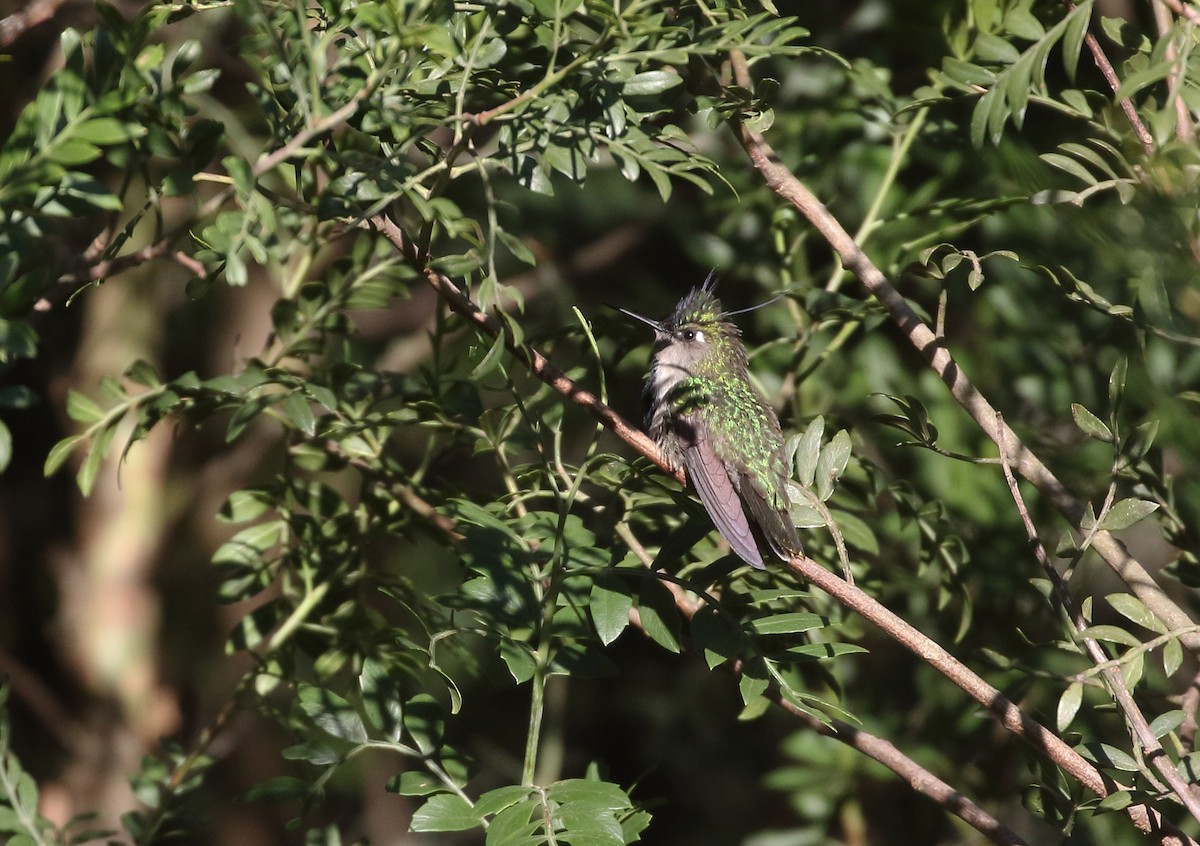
[[697, 333]]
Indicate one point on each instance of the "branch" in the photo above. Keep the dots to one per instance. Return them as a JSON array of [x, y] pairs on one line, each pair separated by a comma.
[[1114, 82], [933, 349], [1151, 748], [919, 778], [538, 364]]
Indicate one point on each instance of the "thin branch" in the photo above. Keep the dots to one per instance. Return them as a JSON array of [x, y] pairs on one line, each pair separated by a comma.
[[1182, 9], [1151, 748], [919, 778], [34, 13], [933, 349], [42, 702], [538, 364], [1189, 703], [1114, 82], [99, 270], [1185, 130]]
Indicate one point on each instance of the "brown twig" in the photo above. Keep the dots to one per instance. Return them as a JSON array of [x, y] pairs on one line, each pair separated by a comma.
[[33, 14], [1185, 130], [1114, 82], [1151, 748], [1182, 9], [42, 702], [919, 778], [933, 349], [99, 270], [1189, 703], [538, 364]]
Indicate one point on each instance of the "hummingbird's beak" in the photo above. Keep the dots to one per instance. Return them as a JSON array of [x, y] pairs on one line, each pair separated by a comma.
[[653, 324]]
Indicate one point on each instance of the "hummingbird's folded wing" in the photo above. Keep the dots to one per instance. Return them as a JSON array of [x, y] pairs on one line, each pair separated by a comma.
[[773, 518], [720, 498]]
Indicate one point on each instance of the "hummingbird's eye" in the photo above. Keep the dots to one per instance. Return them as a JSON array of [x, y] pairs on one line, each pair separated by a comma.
[[692, 335]]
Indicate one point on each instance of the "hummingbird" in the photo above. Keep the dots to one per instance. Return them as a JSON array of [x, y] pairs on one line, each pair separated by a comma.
[[707, 417]]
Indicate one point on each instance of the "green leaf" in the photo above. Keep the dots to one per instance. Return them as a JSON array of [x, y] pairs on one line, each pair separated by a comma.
[[381, 699], [5, 446], [1126, 513], [1116, 801], [1132, 608], [856, 532], [277, 790], [298, 411], [1113, 634], [1172, 657], [609, 604], [1106, 755], [753, 681], [516, 825], [495, 801], [808, 451], [1021, 22], [72, 152], [58, 454], [82, 409], [1068, 705], [332, 713], [789, 623], [995, 49], [1069, 165], [86, 477], [1090, 424], [1140, 79], [519, 659], [106, 131], [817, 651], [1116, 382], [1168, 721], [414, 783], [832, 464], [659, 616], [967, 73], [651, 82], [246, 505], [444, 812], [600, 794], [718, 639]]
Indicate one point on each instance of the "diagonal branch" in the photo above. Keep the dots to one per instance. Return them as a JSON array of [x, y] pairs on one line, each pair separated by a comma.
[[1151, 748], [933, 349], [1114, 82]]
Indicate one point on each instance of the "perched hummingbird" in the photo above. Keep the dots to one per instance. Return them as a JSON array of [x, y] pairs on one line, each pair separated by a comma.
[[707, 416]]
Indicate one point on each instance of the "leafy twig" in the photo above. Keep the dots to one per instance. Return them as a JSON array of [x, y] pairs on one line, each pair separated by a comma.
[[1151, 748], [1114, 82]]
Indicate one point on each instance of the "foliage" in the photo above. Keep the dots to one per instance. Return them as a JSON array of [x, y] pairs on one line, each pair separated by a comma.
[[420, 540]]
